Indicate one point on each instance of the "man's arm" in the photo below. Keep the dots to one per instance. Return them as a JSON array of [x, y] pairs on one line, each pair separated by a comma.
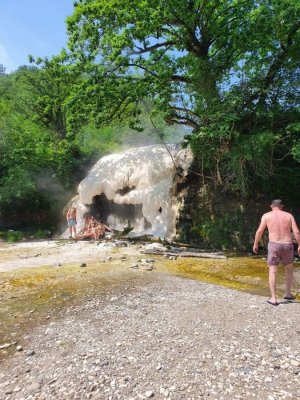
[[296, 233], [107, 228], [259, 233]]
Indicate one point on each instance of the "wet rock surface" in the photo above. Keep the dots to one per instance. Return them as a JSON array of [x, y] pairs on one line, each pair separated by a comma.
[[160, 337]]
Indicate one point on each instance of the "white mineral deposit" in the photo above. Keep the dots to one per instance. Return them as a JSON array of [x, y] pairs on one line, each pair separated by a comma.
[[139, 177]]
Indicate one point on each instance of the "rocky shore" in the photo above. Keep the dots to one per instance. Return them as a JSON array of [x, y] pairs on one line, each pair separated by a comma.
[[162, 337]]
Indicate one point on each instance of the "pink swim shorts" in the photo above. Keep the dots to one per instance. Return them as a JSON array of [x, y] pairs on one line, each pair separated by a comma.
[[283, 252]]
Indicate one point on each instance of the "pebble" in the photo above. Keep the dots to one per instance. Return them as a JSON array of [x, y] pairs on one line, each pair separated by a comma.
[[295, 363], [165, 392], [149, 394], [34, 388], [5, 346], [148, 267]]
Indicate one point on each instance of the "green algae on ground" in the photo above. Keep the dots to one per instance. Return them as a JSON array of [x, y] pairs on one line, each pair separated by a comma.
[[30, 296], [240, 273]]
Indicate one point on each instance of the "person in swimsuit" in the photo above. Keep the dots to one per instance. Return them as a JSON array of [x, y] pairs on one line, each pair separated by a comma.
[[72, 220], [280, 225], [92, 229], [102, 229], [99, 228]]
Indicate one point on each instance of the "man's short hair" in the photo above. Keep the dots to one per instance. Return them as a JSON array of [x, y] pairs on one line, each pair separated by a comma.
[[277, 203]]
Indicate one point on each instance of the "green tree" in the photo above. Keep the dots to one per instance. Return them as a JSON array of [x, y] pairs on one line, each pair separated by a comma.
[[39, 160], [228, 69], [43, 91]]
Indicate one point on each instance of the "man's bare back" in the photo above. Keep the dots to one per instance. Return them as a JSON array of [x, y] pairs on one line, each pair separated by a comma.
[[280, 225]]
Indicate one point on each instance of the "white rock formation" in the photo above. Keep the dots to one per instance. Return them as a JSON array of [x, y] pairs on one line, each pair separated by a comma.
[[148, 174]]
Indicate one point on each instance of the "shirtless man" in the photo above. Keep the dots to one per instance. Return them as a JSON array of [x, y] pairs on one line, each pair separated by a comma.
[[100, 228], [103, 229], [72, 220], [92, 229], [280, 225]]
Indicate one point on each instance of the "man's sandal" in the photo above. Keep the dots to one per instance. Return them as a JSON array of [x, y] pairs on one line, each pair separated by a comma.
[[289, 298]]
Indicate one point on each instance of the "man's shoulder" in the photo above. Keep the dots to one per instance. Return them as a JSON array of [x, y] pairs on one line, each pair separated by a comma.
[[273, 215], [266, 215], [287, 214]]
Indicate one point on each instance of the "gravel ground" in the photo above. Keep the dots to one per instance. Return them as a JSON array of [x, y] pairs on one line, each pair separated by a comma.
[[160, 337]]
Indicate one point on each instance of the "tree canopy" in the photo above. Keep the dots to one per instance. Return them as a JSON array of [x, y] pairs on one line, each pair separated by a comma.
[[227, 69]]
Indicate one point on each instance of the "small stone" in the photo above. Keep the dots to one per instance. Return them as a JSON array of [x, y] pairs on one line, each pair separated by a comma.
[[295, 363], [30, 353], [134, 266], [34, 388], [164, 391], [284, 366], [5, 346], [19, 348], [149, 394], [83, 265]]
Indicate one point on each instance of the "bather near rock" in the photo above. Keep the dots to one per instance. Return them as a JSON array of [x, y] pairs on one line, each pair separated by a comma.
[[92, 229]]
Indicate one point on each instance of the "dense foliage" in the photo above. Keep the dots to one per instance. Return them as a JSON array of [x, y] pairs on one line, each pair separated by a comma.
[[42, 158], [228, 69]]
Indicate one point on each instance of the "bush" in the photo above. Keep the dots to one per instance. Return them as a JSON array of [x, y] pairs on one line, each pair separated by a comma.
[[14, 236]]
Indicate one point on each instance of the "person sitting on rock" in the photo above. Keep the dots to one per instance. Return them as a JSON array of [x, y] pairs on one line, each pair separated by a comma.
[[102, 228], [87, 232]]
